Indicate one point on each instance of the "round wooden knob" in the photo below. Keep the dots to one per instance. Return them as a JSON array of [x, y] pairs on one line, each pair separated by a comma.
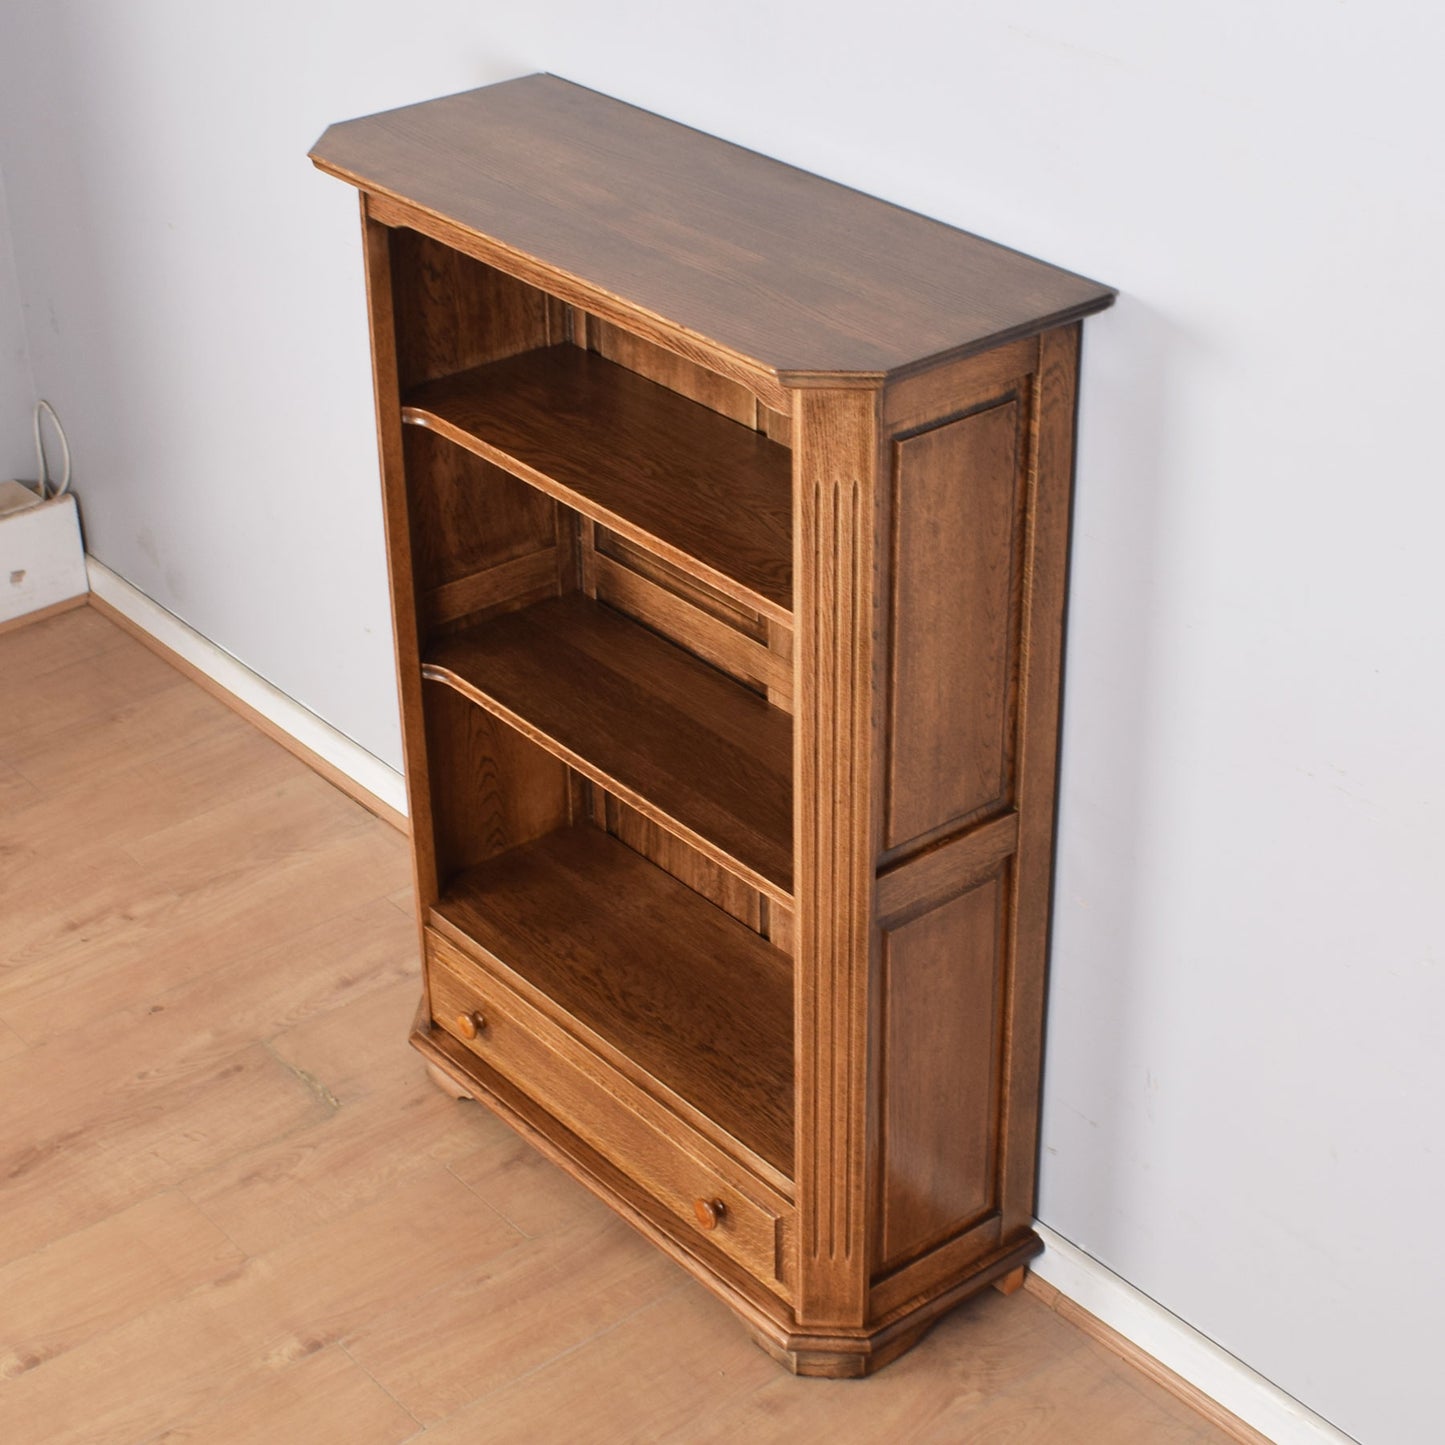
[[470, 1025], [709, 1212]]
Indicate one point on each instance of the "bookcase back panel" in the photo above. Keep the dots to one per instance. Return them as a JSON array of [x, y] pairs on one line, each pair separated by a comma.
[[685, 863], [453, 312], [753, 649], [719, 393]]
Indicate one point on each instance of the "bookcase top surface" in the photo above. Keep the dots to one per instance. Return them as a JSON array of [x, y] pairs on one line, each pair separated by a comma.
[[797, 273]]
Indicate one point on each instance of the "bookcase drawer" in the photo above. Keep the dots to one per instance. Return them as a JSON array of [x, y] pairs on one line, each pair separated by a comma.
[[710, 1197]]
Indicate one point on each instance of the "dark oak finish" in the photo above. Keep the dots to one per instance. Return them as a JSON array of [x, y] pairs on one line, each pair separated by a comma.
[[669, 473], [834, 748], [670, 735], [940, 988], [769, 262], [699, 1002], [956, 516], [728, 543]]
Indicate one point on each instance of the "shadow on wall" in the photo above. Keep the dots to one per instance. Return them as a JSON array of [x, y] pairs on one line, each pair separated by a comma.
[[1102, 965]]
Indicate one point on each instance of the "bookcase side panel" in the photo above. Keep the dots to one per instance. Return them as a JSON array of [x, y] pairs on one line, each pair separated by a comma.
[[376, 244], [1046, 553], [979, 480]]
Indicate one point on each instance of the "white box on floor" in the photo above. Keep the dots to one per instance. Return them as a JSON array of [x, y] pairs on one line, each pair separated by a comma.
[[41, 559]]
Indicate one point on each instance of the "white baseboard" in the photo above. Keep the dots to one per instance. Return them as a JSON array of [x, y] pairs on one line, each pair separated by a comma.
[[365, 769], [1179, 1347]]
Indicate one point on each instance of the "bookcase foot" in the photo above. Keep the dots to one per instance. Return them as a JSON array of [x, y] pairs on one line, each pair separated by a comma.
[[446, 1083], [1013, 1281], [843, 1358]]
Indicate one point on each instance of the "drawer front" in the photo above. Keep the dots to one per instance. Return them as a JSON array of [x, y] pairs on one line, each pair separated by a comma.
[[710, 1200]]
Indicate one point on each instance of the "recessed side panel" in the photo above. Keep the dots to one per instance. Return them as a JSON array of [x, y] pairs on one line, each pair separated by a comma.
[[956, 495], [942, 1000]]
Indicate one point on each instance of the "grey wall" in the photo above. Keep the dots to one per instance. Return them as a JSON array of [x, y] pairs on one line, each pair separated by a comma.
[[1244, 1088], [17, 386]]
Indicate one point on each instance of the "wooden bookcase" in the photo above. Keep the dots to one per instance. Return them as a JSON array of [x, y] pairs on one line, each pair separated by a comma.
[[727, 513]]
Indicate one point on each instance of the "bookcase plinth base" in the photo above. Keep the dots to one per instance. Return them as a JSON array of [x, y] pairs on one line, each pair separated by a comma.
[[852, 1354]]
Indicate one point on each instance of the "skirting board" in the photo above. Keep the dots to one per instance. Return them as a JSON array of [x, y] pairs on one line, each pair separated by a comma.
[[347, 764], [1148, 1332]]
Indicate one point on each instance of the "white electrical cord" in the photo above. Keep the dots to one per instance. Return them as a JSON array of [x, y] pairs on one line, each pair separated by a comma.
[[40, 461]]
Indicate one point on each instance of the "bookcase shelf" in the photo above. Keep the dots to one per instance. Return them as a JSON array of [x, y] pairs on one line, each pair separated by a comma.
[[648, 972], [681, 742], [727, 523], [706, 493]]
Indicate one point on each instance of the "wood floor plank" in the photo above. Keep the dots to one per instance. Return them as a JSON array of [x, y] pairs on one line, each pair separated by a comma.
[[153, 796], [979, 1351], [545, 1300], [16, 790], [279, 1190], [322, 1397], [42, 901], [87, 686], [659, 1373], [118, 926], [10, 1042], [58, 1180], [257, 995], [127, 737], [30, 652], [215, 1010], [98, 1278], [267, 827], [324, 1047], [167, 1363], [526, 1189]]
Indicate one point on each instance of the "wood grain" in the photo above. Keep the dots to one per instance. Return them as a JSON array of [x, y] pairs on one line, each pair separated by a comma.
[[716, 883], [690, 995], [396, 515], [955, 515], [468, 515], [498, 789], [674, 738], [836, 434], [453, 312], [704, 492], [258, 720], [772, 263], [938, 1072], [601, 1107]]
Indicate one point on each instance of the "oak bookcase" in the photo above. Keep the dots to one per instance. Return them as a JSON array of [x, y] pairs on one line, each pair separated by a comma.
[[727, 512]]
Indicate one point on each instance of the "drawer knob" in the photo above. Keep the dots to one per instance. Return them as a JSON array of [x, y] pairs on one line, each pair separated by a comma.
[[470, 1025], [710, 1212]]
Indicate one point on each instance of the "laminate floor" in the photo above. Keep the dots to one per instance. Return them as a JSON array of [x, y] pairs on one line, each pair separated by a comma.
[[232, 1207]]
